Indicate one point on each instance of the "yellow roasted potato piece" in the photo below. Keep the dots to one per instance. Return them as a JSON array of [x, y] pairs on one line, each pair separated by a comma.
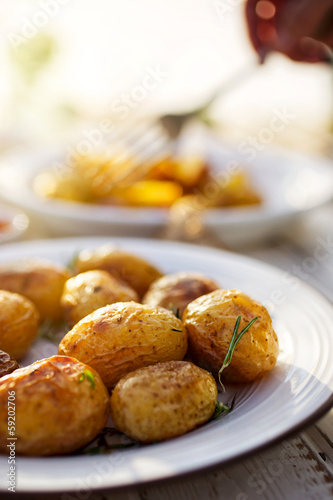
[[131, 269], [19, 322], [149, 193], [122, 337], [175, 291], [163, 401], [88, 179], [235, 191], [92, 290], [60, 406], [210, 322], [187, 170], [40, 281], [65, 186], [190, 170]]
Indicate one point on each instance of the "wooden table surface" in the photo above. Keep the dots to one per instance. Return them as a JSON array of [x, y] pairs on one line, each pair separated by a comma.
[[298, 468]]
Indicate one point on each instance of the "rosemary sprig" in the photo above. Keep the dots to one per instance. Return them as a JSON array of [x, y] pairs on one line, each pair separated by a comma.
[[87, 374], [232, 345]]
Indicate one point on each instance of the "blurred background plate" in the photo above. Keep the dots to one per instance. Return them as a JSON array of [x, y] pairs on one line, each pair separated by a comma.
[[290, 184]]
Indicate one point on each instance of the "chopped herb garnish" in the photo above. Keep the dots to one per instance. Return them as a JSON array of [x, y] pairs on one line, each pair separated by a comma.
[[175, 330], [175, 311], [233, 343], [220, 408], [71, 264], [48, 330], [108, 447], [100, 443], [87, 374]]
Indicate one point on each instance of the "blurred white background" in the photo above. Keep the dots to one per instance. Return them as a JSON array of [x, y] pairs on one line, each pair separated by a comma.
[[65, 63]]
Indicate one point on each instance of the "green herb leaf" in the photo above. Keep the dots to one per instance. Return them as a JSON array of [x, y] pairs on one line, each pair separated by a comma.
[[175, 311], [233, 343], [111, 431], [221, 409], [175, 330], [87, 374], [51, 331], [109, 447], [72, 263], [100, 444]]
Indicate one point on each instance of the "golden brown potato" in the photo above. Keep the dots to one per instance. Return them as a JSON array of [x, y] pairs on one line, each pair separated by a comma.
[[210, 322], [68, 186], [92, 290], [133, 270], [175, 291], [122, 337], [60, 406], [39, 280], [7, 364], [148, 193], [236, 190], [163, 401], [19, 321]]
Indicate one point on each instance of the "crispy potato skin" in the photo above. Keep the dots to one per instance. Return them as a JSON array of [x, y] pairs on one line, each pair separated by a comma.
[[122, 337], [7, 364], [175, 291], [210, 322], [92, 290], [133, 270], [55, 412], [163, 401], [19, 321], [40, 281]]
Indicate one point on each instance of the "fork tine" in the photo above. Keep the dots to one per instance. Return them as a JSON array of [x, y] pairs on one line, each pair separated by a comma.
[[138, 150]]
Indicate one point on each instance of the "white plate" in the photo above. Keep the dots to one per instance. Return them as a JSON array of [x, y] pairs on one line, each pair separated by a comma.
[[298, 390], [290, 184]]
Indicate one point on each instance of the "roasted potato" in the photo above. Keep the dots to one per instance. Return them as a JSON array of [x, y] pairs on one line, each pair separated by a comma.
[[7, 364], [92, 290], [236, 190], [112, 179], [175, 291], [122, 337], [133, 270], [149, 193], [39, 280], [61, 405], [66, 186], [210, 321], [19, 322], [163, 401]]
